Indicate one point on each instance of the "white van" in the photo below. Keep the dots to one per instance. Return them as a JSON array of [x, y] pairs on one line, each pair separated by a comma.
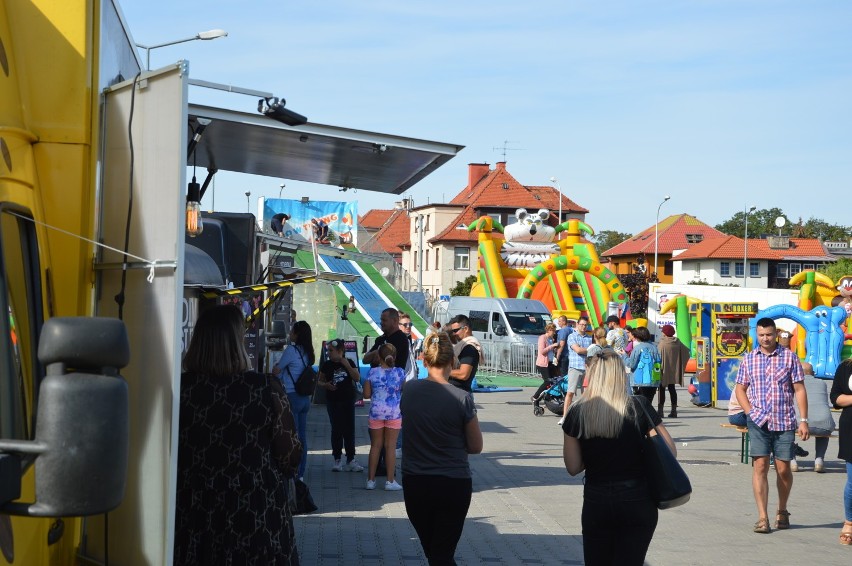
[[507, 328]]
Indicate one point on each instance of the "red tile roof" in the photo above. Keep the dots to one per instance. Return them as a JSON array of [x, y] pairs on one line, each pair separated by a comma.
[[731, 247], [393, 236], [672, 236], [374, 219], [489, 192]]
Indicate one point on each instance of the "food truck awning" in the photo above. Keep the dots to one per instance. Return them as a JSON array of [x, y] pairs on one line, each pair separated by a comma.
[[315, 153]]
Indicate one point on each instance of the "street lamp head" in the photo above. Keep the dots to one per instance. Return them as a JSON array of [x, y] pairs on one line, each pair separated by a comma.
[[667, 197], [553, 179], [752, 209], [211, 34]]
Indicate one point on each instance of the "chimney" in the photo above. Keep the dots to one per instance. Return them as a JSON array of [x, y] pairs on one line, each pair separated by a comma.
[[501, 166], [475, 173]]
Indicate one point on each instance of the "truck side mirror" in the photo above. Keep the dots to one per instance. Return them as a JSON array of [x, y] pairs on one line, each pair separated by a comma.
[[81, 438], [500, 330]]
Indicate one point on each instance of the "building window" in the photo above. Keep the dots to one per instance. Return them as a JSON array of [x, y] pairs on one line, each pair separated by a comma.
[[754, 270], [697, 270], [738, 269], [414, 265], [782, 271], [725, 269], [462, 259], [807, 266], [694, 238], [668, 267], [795, 268], [495, 216], [437, 266], [426, 261]]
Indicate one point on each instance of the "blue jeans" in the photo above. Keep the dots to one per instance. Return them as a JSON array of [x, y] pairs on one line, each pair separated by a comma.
[[300, 404], [737, 420], [628, 506], [847, 492]]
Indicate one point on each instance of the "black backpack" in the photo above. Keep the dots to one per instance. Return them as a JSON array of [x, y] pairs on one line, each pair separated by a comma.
[[307, 382]]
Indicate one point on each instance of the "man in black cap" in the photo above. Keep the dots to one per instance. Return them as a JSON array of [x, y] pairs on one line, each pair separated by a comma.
[[615, 336]]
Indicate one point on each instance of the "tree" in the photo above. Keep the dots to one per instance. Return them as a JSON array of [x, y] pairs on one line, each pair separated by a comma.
[[462, 288], [762, 223], [606, 239], [835, 271]]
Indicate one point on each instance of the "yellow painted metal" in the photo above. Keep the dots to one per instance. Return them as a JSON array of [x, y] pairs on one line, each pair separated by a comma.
[[48, 88]]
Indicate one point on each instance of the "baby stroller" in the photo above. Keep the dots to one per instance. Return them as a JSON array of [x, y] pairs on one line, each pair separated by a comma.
[[553, 397]]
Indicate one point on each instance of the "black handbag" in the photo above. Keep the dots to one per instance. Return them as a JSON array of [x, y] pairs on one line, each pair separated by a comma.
[[668, 483], [301, 501]]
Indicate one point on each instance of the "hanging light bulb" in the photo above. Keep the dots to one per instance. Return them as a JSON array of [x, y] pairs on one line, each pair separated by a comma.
[[194, 224]]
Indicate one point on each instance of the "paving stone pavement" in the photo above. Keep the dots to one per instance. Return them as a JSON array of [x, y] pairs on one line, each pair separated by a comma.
[[526, 508]]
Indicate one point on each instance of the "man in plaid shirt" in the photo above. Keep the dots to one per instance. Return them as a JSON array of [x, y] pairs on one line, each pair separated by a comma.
[[576, 345], [768, 379]]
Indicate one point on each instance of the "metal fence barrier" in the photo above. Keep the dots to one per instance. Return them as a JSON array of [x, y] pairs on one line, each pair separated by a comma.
[[512, 358]]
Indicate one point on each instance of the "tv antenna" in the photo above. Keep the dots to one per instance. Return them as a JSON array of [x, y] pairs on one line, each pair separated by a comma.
[[506, 148]]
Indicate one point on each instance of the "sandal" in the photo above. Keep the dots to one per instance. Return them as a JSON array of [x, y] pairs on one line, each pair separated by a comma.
[[846, 536], [782, 519], [762, 526]]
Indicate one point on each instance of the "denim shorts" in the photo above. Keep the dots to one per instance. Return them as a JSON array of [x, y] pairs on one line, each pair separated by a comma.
[[764, 442]]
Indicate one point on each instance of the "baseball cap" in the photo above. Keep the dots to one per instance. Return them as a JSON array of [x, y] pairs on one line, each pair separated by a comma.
[[668, 330], [613, 318]]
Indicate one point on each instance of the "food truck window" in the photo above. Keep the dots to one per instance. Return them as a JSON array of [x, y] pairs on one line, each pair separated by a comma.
[[20, 302]]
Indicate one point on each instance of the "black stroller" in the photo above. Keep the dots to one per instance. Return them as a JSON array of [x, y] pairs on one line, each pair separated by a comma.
[[553, 397]]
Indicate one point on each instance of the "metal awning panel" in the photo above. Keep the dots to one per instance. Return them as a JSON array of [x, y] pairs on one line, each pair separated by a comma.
[[315, 153]]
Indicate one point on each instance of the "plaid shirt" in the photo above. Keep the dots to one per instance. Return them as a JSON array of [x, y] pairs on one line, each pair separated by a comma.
[[769, 380], [575, 360]]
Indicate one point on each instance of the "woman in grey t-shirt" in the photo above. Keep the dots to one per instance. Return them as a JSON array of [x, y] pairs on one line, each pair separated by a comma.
[[440, 429]]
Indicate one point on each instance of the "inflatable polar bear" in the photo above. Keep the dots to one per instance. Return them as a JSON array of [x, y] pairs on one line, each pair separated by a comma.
[[529, 241]]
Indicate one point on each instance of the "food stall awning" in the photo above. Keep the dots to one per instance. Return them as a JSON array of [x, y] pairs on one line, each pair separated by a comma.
[[252, 143]]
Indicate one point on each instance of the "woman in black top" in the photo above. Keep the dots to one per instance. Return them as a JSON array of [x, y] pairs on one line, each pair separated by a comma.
[[237, 446], [338, 377], [841, 396], [604, 434]]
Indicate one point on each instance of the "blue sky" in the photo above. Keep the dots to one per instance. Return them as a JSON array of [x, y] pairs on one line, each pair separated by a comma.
[[720, 104]]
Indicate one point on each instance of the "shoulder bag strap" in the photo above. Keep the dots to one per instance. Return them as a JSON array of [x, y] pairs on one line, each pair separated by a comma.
[[288, 369], [650, 420]]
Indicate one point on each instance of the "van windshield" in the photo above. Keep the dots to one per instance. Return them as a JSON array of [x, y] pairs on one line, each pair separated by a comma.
[[527, 322]]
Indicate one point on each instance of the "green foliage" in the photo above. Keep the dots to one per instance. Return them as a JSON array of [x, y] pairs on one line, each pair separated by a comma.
[[762, 223], [462, 288], [704, 282], [838, 269], [606, 239]]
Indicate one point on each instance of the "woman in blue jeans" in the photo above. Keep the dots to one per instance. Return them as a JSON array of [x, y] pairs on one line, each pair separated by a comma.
[[841, 397], [288, 368], [604, 434]]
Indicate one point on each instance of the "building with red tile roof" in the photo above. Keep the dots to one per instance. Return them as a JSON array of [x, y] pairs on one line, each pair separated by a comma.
[[438, 250], [771, 261], [675, 232]]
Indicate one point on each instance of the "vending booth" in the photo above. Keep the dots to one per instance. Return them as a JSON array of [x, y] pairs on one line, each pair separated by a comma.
[[723, 330]]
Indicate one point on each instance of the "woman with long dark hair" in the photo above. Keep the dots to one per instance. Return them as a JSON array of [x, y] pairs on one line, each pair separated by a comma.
[[440, 429], [841, 397], [237, 446], [604, 435], [288, 368]]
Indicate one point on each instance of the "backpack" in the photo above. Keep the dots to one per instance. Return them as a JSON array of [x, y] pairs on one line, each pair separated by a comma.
[[647, 372], [307, 382]]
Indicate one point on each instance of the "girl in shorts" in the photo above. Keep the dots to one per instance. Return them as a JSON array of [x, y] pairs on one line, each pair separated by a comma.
[[383, 387]]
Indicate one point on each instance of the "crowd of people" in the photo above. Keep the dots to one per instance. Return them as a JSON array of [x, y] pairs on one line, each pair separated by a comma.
[[242, 435]]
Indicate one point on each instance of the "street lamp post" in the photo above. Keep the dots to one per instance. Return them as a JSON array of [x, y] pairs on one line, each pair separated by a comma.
[[745, 247], [657, 233], [202, 35], [559, 189], [248, 201], [281, 190], [418, 225]]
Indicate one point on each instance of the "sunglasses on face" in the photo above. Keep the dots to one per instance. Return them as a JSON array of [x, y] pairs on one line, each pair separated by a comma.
[[454, 330], [406, 324]]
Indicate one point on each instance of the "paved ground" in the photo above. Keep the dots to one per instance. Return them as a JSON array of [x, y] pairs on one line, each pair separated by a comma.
[[526, 508]]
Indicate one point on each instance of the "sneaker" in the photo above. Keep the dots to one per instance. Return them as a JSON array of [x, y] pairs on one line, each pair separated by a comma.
[[794, 466], [337, 467], [392, 486], [800, 452], [371, 484], [819, 465], [354, 466], [561, 422]]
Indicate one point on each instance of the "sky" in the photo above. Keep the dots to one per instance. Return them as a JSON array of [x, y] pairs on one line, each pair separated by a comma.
[[720, 104]]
